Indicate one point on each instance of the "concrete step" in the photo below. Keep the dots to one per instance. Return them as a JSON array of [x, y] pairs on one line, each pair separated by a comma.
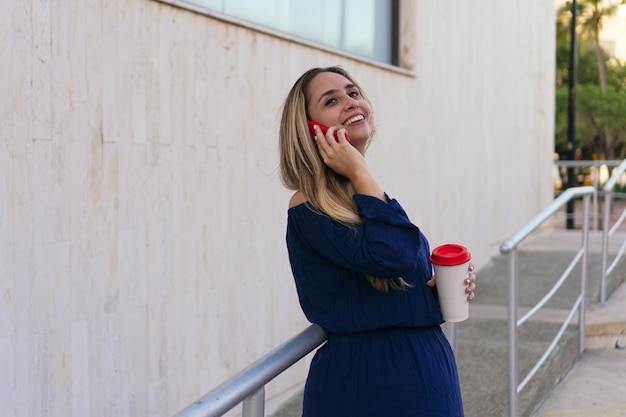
[[593, 387], [595, 384], [606, 336], [605, 326], [606, 323]]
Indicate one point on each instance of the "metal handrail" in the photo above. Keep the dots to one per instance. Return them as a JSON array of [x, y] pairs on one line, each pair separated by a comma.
[[595, 166], [248, 386], [609, 194], [510, 247]]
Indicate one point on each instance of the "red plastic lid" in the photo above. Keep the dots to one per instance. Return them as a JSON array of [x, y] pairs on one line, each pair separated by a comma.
[[450, 255]]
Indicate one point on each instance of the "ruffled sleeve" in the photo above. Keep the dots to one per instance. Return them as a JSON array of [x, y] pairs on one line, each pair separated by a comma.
[[384, 244]]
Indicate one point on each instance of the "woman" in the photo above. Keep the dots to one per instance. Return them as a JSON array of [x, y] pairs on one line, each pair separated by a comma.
[[361, 268]]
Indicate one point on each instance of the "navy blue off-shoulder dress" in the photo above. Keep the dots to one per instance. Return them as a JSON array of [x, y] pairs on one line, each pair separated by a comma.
[[386, 355]]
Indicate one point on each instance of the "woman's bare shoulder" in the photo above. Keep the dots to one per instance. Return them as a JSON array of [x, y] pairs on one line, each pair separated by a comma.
[[297, 198]]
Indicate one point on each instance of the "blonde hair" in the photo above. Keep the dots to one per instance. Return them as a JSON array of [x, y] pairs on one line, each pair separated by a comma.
[[302, 167]]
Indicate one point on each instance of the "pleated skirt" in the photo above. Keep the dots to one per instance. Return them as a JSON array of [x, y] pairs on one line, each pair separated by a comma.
[[396, 372]]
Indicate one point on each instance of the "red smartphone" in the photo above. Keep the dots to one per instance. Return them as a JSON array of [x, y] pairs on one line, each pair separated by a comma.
[[323, 129]]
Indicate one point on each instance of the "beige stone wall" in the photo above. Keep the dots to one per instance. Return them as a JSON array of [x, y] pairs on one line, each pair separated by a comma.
[[142, 221]]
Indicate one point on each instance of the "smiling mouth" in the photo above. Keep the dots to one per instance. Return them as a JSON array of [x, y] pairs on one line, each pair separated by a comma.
[[353, 120]]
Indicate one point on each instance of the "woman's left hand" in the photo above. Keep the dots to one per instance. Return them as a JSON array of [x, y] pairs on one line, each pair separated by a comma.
[[470, 282]]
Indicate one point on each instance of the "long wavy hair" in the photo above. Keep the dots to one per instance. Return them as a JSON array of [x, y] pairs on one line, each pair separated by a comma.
[[302, 167]]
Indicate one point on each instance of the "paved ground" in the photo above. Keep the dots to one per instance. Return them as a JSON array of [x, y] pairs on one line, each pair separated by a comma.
[[596, 384]]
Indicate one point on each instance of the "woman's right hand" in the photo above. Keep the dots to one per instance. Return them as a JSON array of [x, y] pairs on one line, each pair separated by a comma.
[[339, 154], [346, 160]]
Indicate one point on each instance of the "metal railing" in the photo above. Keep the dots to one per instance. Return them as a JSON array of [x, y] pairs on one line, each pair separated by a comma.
[[595, 167], [510, 247], [607, 231], [248, 386]]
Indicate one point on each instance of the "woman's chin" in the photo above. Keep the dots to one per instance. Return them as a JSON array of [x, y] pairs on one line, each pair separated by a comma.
[[359, 142]]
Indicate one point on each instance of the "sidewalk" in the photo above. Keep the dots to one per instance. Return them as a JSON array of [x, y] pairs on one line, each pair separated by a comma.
[[596, 384], [594, 387]]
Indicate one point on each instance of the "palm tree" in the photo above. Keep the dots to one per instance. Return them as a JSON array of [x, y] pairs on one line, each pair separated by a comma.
[[591, 17]]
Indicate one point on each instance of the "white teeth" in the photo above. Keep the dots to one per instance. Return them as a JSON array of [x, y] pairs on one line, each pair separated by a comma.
[[354, 119]]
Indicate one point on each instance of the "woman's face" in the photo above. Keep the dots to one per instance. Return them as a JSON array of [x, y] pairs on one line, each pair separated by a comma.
[[335, 101]]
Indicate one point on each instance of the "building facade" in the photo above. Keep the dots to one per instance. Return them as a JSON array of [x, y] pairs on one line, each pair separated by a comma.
[[613, 35], [142, 220]]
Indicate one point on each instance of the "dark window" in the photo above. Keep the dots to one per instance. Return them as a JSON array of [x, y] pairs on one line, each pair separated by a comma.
[[368, 28]]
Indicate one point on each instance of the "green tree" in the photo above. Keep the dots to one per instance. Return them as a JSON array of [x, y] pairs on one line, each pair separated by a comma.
[[601, 85], [593, 14]]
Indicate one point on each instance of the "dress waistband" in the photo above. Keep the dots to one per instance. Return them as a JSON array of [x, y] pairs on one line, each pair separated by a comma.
[[392, 329]]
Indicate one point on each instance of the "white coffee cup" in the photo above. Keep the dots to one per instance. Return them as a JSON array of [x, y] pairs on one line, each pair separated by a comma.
[[451, 262]]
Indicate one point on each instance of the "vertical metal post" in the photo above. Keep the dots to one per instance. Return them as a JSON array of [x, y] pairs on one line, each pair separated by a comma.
[[254, 405], [583, 280], [596, 173], [608, 199], [512, 329], [571, 114], [452, 331]]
